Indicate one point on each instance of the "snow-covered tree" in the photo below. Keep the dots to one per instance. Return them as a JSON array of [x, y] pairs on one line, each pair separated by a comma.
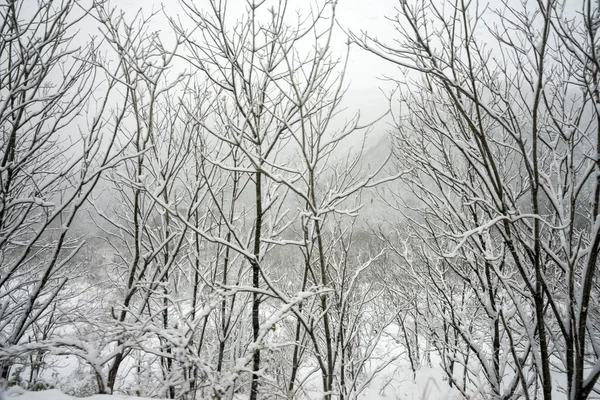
[[57, 136], [500, 127]]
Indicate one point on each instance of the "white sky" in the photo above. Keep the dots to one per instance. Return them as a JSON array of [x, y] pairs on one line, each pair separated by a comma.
[[364, 70]]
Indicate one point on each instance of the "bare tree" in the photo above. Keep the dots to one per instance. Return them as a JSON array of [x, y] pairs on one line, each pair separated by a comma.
[[230, 209], [277, 110], [503, 136], [149, 245], [247, 65], [56, 141]]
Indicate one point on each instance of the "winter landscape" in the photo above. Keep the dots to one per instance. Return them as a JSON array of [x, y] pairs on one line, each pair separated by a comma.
[[286, 199]]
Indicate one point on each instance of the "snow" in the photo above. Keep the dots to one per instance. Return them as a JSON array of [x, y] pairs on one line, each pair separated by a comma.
[[15, 393], [429, 384]]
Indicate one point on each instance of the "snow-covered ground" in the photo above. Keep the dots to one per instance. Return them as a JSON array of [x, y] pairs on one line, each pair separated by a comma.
[[54, 394], [428, 385]]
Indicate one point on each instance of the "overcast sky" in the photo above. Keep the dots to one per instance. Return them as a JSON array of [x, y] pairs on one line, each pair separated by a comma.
[[364, 70]]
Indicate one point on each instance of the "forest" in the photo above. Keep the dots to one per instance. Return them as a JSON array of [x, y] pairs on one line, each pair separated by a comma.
[[192, 207]]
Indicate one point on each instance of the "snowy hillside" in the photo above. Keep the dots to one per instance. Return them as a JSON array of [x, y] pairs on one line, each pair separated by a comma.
[[55, 394], [215, 199], [428, 385]]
